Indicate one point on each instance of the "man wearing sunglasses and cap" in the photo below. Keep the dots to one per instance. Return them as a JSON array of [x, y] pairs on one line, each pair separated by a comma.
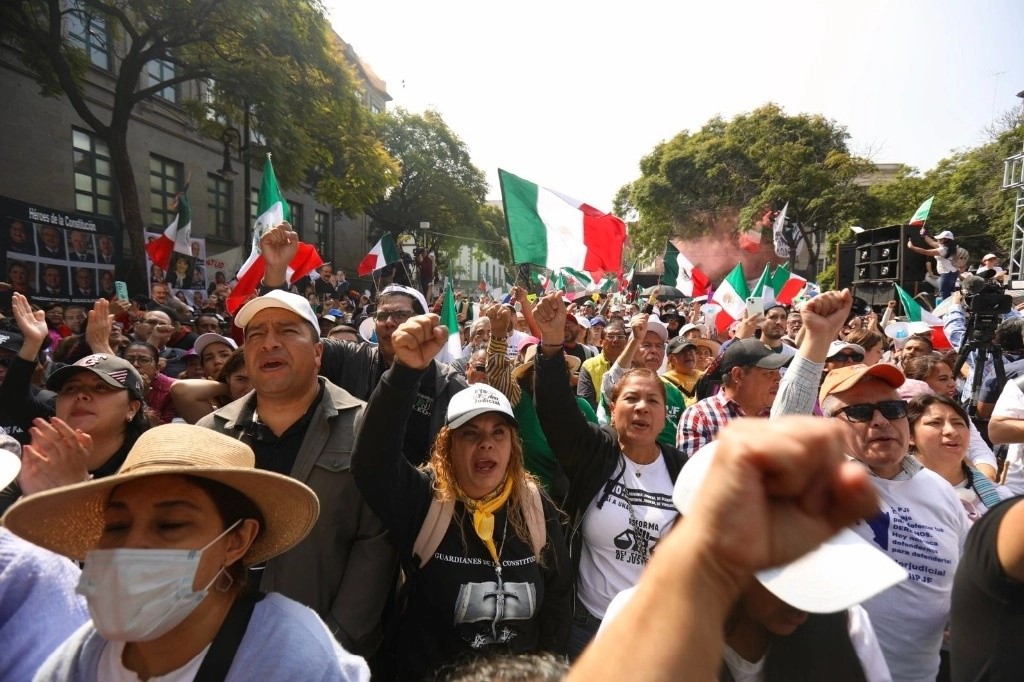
[[922, 524], [358, 367]]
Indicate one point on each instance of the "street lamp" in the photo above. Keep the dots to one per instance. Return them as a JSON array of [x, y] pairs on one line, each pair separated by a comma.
[[226, 170], [241, 140]]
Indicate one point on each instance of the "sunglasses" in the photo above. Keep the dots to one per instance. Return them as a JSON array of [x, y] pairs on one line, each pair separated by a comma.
[[480, 368], [399, 316], [863, 412], [848, 357]]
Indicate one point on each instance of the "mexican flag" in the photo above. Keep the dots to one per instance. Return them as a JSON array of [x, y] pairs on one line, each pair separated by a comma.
[[568, 277], [272, 210], [383, 253], [549, 229], [731, 295], [452, 349], [789, 285], [778, 286], [915, 313], [682, 274], [607, 284], [176, 237], [920, 216]]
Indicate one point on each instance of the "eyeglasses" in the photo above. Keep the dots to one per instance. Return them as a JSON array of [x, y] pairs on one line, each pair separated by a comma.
[[480, 368], [615, 337], [863, 412], [140, 360], [399, 316], [847, 357]]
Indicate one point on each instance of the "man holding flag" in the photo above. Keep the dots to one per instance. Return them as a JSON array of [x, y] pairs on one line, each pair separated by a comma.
[[358, 367]]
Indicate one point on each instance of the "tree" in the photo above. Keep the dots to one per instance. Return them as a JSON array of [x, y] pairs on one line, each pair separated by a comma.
[[754, 163], [439, 184], [276, 60]]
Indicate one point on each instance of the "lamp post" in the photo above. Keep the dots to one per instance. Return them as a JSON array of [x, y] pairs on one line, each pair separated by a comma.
[[227, 172]]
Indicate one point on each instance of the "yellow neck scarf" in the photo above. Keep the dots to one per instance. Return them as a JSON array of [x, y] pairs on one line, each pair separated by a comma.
[[483, 516]]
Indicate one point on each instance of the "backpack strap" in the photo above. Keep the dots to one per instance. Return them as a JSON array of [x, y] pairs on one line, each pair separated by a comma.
[[218, 659], [535, 521], [435, 525]]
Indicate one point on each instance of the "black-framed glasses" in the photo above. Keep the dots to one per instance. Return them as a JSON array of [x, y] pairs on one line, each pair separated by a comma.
[[848, 357], [399, 316], [863, 412], [480, 368], [140, 360]]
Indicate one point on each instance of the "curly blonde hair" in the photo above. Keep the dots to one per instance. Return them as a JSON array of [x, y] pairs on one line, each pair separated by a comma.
[[447, 488]]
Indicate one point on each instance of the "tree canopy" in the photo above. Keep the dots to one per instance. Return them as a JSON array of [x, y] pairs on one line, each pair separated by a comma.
[[753, 163], [438, 184], [278, 59]]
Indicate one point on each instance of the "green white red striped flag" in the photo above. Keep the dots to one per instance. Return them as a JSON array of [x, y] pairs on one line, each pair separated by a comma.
[[914, 311], [552, 230]]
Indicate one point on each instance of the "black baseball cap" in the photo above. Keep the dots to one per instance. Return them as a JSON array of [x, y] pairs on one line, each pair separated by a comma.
[[752, 353], [678, 345], [113, 370]]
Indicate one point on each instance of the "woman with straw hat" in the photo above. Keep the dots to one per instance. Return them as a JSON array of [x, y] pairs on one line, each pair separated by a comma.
[[494, 575], [166, 543]]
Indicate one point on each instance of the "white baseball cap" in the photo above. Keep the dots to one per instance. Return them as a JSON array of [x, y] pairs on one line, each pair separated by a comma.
[[278, 299], [654, 324], [945, 234], [837, 347], [844, 570], [205, 340], [10, 460], [476, 400]]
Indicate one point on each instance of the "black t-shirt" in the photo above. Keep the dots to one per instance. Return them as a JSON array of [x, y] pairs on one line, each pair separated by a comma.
[[987, 613], [417, 429], [577, 351], [278, 453]]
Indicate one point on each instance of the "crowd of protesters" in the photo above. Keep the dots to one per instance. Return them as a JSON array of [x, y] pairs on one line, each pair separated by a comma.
[[320, 488]]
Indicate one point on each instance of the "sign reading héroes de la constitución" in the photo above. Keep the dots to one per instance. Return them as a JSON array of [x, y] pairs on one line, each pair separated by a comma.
[[52, 255]]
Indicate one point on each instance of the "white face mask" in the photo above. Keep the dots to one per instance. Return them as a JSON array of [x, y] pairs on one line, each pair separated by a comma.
[[136, 595]]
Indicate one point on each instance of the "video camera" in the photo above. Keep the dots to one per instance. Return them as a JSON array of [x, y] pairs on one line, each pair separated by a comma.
[[984, 296]]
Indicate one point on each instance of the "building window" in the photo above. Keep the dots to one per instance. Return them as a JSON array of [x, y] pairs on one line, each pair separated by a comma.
[[159, 71], [296, 209], [321, 226], [220, 206], [254, 205], [89, 33], [166, 178], [94, 186]]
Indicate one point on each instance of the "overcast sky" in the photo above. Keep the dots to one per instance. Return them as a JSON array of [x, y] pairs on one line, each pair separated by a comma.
[[572, 94]]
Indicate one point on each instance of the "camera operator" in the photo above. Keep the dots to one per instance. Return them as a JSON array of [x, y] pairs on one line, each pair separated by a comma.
[[1010, 337], [989, 307]]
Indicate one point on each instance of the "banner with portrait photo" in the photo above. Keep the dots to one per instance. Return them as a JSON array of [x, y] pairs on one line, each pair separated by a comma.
[[185, 275], [54, 256]]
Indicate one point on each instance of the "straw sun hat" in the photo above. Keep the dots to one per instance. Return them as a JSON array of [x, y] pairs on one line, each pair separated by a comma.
[[69, 520]]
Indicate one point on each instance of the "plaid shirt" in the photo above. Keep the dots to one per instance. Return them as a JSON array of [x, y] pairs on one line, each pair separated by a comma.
[[702, 421]]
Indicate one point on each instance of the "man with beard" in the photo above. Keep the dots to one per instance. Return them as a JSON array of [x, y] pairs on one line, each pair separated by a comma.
[[773, 329], [358, 367]]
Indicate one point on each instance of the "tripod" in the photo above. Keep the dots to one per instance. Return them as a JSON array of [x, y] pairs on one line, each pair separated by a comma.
[[980, 332]]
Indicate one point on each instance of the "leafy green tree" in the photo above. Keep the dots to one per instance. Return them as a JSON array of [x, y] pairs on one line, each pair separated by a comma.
[[439, 184], [755, 162], [276, 59]]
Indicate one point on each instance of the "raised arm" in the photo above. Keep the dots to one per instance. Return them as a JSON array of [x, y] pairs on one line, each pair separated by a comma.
[[569, 434], [499, 369], [396, 491], [193, 398]]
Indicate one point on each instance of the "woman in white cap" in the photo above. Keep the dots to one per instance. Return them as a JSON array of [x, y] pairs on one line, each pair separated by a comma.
[[166, 544], [943, 249], [487, 569]]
